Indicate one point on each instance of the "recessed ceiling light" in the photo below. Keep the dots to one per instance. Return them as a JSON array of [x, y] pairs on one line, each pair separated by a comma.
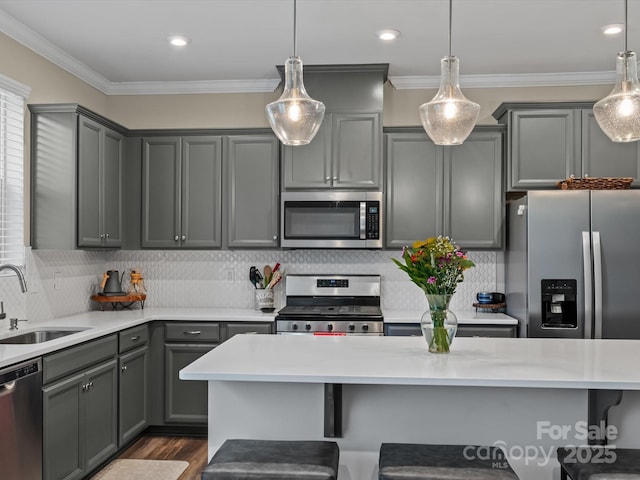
[[387, 34], [179, 41], [612, 29]]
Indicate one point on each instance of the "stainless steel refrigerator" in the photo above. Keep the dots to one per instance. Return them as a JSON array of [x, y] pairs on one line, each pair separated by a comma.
[[572, 264]]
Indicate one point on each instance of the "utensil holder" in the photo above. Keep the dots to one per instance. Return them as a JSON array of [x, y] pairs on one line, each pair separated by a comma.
[[264, 299]]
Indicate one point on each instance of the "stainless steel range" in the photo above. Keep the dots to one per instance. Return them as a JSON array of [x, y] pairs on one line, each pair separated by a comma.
[[331, 305]]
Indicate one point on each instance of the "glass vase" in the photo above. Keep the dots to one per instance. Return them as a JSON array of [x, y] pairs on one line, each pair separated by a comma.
[[439, 324]]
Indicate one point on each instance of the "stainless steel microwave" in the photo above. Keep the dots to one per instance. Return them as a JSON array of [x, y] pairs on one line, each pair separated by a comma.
[[331, 219]]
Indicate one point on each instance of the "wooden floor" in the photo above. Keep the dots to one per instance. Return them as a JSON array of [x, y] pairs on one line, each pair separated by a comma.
[[190, 449]]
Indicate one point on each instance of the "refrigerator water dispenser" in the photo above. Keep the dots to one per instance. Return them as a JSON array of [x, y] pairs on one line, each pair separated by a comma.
[[559, 308]]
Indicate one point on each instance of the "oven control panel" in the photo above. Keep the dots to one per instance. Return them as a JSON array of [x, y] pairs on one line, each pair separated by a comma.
[[337, 327]]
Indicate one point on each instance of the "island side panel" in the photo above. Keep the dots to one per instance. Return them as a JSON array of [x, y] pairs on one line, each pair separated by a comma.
[[523, 420]]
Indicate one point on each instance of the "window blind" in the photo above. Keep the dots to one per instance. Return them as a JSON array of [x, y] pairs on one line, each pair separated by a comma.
[[11, 177]]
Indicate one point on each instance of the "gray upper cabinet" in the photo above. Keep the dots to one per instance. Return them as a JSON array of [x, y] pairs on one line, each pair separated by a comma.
[[473, 198], [345, 153], [414, 190], [77, 158], [435, 190], [252, 190], [548, 142], [100, 154], [181, 192]]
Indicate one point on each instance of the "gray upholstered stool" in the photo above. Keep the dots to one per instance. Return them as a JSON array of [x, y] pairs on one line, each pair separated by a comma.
[[401, 461], [599, 463], [274, 460]]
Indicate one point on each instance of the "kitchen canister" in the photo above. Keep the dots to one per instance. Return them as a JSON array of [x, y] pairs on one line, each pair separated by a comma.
[[264, 299]]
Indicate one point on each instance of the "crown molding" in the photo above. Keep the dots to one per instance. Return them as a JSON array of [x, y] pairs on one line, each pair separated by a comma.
[[204, 86], [43, 47], [507, 80]]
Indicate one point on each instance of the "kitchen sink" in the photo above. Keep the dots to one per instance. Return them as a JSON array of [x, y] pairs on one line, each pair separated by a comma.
[[38, 336]]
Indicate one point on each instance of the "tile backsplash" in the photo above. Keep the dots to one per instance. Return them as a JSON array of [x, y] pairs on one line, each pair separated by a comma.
[[61, 282]]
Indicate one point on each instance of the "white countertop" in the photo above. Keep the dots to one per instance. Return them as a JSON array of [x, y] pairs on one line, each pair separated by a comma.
[[488, 362], [465, 317], [99, 323]]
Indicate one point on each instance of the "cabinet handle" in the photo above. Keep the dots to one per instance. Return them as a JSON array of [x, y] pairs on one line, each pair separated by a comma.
[[84, 387], [327, 179], [335, 179], [192, 332], [176, 238], [90, 384], [184, 237], [102, 235], [106, 235], [275, 237], [123, 368], [136, 338]]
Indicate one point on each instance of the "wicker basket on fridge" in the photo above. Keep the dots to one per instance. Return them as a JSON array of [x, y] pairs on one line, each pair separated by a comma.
[[595, 183]]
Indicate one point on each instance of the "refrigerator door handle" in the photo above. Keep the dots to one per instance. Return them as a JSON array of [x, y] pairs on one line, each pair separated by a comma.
[[588, 283], [597, 284]]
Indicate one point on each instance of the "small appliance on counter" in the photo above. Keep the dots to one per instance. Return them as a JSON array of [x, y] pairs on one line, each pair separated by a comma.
[[492, 301], [111, 283]]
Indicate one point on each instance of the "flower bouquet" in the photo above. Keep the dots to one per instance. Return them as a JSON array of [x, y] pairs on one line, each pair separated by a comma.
[[436, 265]]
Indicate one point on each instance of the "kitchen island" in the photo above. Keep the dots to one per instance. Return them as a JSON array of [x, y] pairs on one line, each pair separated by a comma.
[[527, 395]]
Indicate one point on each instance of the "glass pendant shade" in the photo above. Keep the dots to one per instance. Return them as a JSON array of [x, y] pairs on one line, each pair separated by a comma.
[[618, 114], [295, 117], [449, 117]]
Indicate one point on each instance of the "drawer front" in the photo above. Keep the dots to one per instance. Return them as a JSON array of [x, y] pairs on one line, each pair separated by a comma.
[[133, 338], [60, 364], [192, 332], [246, 327], [487, 331]]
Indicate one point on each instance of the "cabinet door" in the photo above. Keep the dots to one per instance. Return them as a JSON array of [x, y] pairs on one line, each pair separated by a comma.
[[356, 142], [544, 148], [414, 189], [473, 199], [201, 195], [245, 327], [309, 166], [100, 414], [185, 400], [111, 207], [160, 192], [603, 158], [63, 446], [252, 191], [132, 394], [90, 144]]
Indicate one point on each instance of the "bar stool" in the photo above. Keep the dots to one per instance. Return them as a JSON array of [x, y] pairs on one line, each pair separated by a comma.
[[401, 461], [598, 463], [274, 460]]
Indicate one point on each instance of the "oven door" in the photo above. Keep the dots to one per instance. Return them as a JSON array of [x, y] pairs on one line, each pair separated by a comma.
[[330, 220]]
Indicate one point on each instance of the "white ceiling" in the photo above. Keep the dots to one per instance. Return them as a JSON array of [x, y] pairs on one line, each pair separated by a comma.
[[120, 46]]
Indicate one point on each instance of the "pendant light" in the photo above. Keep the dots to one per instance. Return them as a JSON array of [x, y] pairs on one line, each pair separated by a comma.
[[295, 117], [618, 114], [449, 117]]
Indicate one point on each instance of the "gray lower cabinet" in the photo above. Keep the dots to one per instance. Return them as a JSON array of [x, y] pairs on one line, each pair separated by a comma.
[[413, 330], [434, 190], [80, 403], [186, 400], [182, 192], [345, 153], [548, 142], [133, 368], [77, 159], [251, 164], [80, 429]]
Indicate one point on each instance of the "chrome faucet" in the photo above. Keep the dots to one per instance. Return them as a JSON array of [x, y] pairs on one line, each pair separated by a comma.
[[10, 266]]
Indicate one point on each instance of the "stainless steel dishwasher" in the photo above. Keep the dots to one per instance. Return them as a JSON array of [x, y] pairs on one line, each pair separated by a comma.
[[21, 421]]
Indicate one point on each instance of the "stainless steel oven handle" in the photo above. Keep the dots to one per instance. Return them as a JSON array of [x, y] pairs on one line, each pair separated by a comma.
[[363, 220]]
